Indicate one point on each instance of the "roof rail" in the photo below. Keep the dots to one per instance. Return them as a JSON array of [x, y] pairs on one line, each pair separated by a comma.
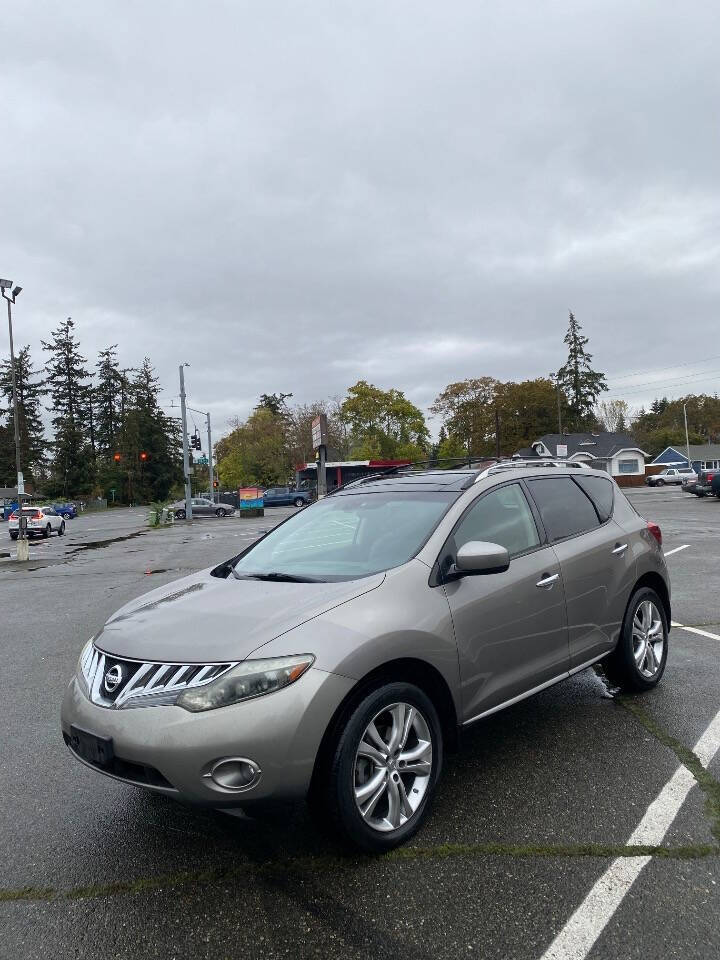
[[519, 463], [448, 463]]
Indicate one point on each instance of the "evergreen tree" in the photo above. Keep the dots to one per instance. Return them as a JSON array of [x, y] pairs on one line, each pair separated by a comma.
[[29, 393], [107, 402], [579, 382], [68, 383]]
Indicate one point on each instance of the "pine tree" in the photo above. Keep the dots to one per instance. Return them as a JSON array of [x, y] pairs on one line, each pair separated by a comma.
[[68, 383], [579, 382], [107, 402], [29, 393]]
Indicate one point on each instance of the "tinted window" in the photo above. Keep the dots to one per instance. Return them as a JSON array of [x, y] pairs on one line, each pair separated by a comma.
[[600, 492], [344, 537], [502, 516], [564, 508]]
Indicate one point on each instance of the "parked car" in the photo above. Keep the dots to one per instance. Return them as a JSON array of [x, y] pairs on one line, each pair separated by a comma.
[[344, 652], [41, 521], [671, 475], [706, 479], [66, 510], [285, 496], [203, 507]]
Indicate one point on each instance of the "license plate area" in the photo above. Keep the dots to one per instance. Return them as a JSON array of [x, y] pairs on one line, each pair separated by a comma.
[[96, 750]]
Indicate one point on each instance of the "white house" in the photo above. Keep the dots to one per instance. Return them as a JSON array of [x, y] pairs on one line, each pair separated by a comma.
[[618, 453]]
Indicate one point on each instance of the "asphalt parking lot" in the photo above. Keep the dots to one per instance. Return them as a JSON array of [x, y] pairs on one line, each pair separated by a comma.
[[575, 824]]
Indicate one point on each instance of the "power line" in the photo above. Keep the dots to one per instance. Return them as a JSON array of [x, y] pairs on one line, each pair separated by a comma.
[[640, 373], [643, 388]]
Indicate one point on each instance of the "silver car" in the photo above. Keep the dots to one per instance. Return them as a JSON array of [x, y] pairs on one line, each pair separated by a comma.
[[339, 657], [203, 507]]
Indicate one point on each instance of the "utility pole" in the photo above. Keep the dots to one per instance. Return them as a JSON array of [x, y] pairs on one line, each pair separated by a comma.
[[557, 388], [687, 439], [497, 433], [23, 552], [186, 452], [210, 460]]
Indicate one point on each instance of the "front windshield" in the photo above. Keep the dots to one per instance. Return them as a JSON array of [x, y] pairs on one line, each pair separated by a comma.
[[348, 536]]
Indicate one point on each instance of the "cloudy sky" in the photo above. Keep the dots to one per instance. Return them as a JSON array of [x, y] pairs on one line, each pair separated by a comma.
[[292, 196]]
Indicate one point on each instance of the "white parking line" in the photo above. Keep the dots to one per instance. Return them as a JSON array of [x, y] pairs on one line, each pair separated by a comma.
[[697, 630], [578, 936], [669, 553]]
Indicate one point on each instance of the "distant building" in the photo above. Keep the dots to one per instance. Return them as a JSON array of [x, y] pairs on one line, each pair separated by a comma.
[[705, 456], [338, 472], [617, 453]]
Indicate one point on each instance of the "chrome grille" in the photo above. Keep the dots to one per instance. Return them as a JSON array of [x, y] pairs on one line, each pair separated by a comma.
[[148, 683]]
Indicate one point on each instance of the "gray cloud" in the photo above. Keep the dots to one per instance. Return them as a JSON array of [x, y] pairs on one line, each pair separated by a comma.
[[295, 196]]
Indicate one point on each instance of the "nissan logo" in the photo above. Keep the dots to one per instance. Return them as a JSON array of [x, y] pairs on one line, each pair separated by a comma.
[[113, 678]]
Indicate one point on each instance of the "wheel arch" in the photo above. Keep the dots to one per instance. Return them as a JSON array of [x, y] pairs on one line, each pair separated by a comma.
[[406, 670], [655, 582]]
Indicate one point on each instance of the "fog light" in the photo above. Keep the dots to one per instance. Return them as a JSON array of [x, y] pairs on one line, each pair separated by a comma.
[[235, 773]]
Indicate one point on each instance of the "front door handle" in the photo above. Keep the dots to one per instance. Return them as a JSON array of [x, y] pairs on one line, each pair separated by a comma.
[[548, 580], [620, 549]]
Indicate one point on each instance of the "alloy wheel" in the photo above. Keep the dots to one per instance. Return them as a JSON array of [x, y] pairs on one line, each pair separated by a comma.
[[393, 767], [648, 634]]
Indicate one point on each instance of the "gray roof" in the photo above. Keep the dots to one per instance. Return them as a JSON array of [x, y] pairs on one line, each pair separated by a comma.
[[595, 444], [698, 451]]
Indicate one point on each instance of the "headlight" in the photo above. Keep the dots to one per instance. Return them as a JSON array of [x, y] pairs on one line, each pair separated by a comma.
[[253, 678], [84, 655]]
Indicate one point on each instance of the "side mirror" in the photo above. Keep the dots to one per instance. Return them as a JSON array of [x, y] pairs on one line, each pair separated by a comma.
[[478, 556]]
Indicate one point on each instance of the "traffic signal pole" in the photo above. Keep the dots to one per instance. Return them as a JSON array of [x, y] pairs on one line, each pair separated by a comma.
[[186, 452], [210, 460]]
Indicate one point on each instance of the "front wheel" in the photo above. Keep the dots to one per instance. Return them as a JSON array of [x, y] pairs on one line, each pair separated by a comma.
[[299, 502], [638, 661], [385, 767]]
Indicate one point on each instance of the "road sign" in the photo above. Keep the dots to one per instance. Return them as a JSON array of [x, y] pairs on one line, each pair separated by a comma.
[[203, 461], [319, 431]]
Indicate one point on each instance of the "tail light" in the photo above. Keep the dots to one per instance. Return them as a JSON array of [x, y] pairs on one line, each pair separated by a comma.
[[14, 515], [38, 515], [655, 531]]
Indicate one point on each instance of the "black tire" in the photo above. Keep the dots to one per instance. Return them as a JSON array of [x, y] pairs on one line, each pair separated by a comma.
[[179, 514], [621, 667], [220, 512], [13, 535], [299, 502], [339, 791], [46, 532], [61, 531], [659, 483]]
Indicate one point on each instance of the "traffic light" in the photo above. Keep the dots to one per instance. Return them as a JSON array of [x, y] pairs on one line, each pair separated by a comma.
[[117, 457], [195, 441], [143, 456], [215, 484]]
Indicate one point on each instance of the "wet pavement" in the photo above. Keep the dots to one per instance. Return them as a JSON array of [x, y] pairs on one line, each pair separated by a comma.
[[535, 806]]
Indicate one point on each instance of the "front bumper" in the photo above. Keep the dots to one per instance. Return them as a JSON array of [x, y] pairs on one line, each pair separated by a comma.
[[280, 732]]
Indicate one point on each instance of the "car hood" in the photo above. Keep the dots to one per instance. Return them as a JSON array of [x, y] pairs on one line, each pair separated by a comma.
[[206, 619]]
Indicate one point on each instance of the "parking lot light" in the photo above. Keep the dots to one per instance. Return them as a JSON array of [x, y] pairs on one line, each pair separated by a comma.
[[5, 285]]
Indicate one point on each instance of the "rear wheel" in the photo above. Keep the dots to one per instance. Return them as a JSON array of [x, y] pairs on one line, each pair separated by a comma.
[[47, 531], [61, 531], [638, 661], [299, 502], [179, 514], [385, 766], [220, 512], [659, 483], [13, 535]]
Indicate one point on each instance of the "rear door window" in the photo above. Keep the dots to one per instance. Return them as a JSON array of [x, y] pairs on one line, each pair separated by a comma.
[[601, 493], [565, 509]]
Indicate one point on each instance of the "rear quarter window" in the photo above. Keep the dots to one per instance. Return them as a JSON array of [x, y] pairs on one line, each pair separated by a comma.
[[601, 492]]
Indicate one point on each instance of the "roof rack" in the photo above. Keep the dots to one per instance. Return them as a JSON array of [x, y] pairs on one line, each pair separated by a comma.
[[472, 464], [520, 463]]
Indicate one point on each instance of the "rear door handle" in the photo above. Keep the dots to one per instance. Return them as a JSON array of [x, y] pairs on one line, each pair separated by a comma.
[[548, 580], [620, 549]]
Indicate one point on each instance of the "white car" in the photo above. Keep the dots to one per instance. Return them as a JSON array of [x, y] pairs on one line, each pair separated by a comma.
[[41, 521], [672, 475]]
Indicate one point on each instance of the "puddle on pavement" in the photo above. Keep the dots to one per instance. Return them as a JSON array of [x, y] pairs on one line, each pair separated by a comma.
[[101, 544]]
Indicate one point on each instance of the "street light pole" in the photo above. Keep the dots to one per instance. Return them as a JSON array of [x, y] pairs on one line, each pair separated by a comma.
[[6, 285], [186, 452], [210, 460], [687, 439]]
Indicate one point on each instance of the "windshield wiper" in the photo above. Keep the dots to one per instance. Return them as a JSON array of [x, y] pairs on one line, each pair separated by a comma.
[[275, 576]]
